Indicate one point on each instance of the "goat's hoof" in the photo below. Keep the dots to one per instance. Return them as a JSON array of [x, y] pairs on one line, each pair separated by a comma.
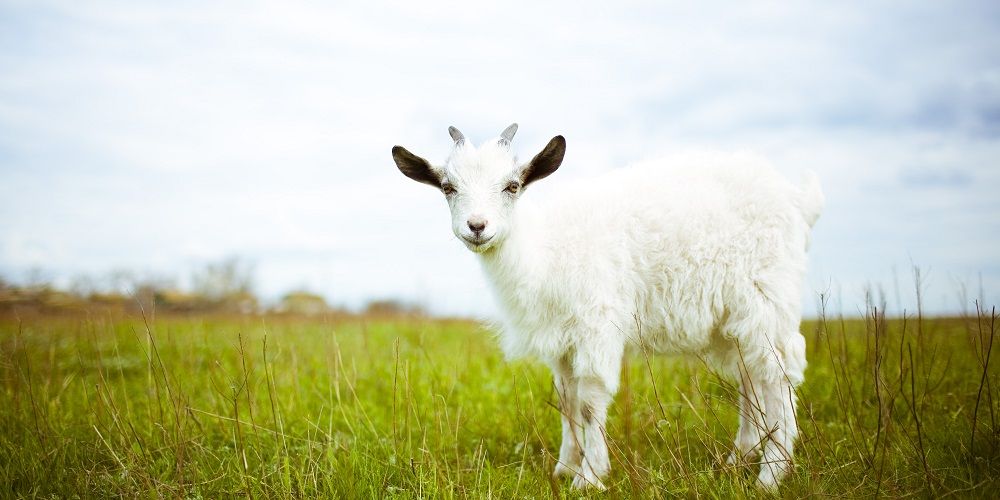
[[771, 475], [767, 484], [580, 482], [563, 470]]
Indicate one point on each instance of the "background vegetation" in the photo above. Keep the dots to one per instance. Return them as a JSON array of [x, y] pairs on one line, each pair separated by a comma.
[[225, 286]]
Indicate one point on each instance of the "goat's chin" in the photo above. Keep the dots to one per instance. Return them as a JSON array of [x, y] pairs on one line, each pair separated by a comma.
[[479, 247]]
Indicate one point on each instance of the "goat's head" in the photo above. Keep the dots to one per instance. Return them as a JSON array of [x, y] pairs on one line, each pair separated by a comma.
[[482, 184]]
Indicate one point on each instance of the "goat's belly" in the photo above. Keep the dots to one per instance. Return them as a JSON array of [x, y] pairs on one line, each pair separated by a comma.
[[676, 341]]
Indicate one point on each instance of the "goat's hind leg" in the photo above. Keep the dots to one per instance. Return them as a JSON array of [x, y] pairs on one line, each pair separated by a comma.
[[785, 367], [779, 402], [751, 434]]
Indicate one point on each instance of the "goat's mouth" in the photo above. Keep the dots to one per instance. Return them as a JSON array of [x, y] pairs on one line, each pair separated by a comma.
[[476, 243]]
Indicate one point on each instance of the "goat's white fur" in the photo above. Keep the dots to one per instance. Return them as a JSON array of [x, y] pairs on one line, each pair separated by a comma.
[[702, 254]]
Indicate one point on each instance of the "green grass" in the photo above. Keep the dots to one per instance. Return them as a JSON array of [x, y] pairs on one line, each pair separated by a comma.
[[104, 405]]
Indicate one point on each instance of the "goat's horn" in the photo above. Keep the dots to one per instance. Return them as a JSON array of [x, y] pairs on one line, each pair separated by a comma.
[[508, 133], [455, 135]]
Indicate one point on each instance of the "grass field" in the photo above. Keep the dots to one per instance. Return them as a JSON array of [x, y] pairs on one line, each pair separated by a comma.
[[105, 405]]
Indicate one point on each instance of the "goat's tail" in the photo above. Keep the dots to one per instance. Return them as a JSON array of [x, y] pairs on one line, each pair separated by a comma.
[[811, 199]]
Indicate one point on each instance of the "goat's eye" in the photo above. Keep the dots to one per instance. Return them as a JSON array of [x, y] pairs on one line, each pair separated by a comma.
[[448, 189], [513, 188]]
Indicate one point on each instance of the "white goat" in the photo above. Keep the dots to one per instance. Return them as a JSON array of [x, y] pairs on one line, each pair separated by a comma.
[[704, 258]]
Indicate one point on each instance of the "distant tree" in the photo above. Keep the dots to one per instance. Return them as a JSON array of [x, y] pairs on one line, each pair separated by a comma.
[[175, 300], [120, 281], [225, 277], [37, 279], [8, 294], [393, 307], [144, 291], [224, 286], [303, 302], [82, 285], [227, 284]]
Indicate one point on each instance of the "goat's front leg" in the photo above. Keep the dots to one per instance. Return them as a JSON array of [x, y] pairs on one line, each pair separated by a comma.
[[571, 452], [595, 397], [598, 380]]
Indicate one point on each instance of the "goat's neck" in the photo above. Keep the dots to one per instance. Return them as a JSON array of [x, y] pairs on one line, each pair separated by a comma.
[[516, 266]]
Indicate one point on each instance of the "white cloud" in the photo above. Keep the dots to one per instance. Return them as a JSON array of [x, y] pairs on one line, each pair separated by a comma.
[[156, 136]]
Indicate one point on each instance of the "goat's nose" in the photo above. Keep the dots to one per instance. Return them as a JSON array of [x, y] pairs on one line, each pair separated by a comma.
[[477, 224]]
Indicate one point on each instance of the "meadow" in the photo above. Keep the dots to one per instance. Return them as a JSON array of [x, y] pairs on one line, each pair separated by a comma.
[[105, 404]]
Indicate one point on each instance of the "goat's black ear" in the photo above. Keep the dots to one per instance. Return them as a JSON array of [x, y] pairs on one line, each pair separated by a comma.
[[415, 167], [546, 162]]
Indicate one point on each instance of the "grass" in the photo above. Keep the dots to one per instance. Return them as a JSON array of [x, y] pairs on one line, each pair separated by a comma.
[[103, 405]]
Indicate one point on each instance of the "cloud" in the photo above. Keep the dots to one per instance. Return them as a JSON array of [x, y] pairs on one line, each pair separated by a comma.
[[156, 136]]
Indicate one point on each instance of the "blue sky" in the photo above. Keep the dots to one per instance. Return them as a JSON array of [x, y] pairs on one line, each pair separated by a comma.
[[160, 136]]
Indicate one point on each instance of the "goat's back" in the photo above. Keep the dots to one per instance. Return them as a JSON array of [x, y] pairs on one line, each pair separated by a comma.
[[683, 245]]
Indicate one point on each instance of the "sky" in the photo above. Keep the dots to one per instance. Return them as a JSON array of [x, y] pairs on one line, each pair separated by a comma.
[[161, 136]]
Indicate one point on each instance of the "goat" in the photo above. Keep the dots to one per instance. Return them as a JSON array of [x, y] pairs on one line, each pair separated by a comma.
[[704, 256]]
